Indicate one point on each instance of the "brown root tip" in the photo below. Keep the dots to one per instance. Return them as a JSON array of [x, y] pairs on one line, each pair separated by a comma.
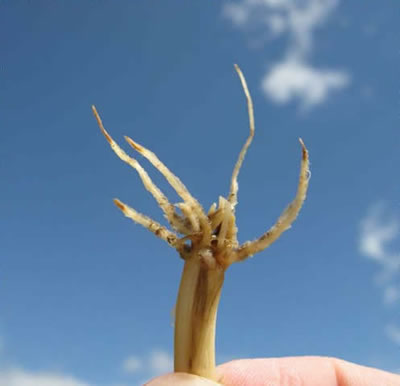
[[119, 204], [100, 123], [108, 138], [304, 150], [135, 145]]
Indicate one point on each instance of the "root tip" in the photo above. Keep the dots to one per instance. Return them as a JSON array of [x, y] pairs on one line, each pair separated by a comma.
[[100, 123], [119, 204], [237, 69], [108, 138], [304, 150], [135, 145]]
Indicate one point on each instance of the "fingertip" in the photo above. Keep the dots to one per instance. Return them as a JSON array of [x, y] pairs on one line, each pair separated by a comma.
[[181, 379]]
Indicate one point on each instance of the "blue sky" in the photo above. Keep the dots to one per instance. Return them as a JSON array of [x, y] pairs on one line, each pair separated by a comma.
[[86, 295]]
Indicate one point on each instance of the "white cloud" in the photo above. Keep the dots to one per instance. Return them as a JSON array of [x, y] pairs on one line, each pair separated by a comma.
[[237, 13], [161, 362], [20, 377], [391, 295], [293, 77], [376, 233], [393, 332], [277, 24], [155, 363], [132, 365]]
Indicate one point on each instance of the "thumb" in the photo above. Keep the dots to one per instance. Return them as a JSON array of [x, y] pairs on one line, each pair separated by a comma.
[[181, 379]]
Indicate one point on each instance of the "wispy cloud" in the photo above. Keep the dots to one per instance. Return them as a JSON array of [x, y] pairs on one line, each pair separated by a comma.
[[393, 332], [132, 365], [19, 377], [391, 294], [292, 77], [157, 362], [161, 362], [378, 230]]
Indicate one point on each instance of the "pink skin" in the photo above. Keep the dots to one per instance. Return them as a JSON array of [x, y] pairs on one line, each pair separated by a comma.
[[296, 371]]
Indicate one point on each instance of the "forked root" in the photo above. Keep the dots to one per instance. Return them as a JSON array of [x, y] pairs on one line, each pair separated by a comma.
[[208, 245]]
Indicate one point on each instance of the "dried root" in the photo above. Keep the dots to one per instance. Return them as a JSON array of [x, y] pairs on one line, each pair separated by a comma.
[[208, 245]]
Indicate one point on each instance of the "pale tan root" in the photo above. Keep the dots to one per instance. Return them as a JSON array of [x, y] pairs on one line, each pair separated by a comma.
[[179, 187], [188, 213], [232, 198], [285, 220], [173, 218], [153, 226], [212, 209], [231, 234], [216, 219], [226, 221]]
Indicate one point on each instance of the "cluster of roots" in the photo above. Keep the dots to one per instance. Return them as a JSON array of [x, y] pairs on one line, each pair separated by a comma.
[[210, 236]]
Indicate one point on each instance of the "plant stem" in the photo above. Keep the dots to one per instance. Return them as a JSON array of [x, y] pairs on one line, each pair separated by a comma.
[[196, 314]]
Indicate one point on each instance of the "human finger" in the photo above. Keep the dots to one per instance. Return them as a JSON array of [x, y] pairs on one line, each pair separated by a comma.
[[300, 371], [181, 379]]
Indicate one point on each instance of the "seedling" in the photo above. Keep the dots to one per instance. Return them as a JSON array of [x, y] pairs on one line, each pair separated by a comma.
[[208, 245]]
